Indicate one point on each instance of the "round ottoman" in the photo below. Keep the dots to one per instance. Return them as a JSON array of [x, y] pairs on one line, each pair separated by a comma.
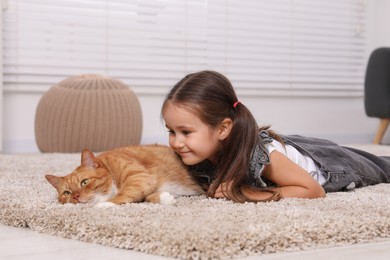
[[87, 111]]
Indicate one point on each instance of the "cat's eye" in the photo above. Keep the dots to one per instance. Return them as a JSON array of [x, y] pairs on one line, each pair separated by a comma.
[[66, 193], [84, 182]]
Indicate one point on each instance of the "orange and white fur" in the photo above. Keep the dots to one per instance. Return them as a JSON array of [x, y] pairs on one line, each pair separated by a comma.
[[151, 173]]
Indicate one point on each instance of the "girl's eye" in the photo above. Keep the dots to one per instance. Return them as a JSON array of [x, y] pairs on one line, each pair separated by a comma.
[[84, 182], [171, 132], [67, 193], [186, 132]]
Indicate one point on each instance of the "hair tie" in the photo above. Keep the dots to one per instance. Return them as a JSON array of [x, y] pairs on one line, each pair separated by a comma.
[[236, 103]]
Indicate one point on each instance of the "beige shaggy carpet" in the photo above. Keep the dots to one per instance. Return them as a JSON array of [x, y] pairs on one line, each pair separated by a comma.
[[194, 227]]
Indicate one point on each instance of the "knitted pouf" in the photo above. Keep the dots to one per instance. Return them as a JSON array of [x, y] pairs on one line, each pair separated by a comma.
[[87, 111]]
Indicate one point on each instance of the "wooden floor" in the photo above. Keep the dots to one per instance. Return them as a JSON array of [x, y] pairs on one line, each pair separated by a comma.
[[21, 244]]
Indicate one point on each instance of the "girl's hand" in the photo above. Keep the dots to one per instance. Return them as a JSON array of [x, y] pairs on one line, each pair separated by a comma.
[[225, 186]]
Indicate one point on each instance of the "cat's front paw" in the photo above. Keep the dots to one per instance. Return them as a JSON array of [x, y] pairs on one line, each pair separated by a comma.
[[105, 204], [166, 198]]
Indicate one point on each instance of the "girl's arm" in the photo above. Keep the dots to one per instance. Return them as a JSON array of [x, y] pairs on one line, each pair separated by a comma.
[[292, 180]]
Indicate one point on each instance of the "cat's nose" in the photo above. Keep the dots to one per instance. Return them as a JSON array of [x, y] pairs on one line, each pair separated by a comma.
[[76, 195]]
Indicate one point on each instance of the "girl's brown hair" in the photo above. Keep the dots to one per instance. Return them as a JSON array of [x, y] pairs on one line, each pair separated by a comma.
[[211, 96]]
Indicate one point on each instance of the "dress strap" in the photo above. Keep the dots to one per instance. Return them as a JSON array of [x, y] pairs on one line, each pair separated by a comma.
[[260, 157]]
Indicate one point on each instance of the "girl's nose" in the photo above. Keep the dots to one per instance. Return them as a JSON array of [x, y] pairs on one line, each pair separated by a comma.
[[177, 143]]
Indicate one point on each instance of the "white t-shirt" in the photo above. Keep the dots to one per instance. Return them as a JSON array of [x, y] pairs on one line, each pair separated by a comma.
[[302, 160]]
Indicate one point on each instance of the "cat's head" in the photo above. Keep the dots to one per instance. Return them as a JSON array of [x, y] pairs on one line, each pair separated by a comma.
[[87, 183]]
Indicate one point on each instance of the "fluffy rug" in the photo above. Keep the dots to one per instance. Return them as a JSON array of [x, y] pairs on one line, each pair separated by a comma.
[[194, 227]]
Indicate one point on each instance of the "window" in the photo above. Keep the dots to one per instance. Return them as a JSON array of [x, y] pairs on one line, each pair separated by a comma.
[[280, 47]]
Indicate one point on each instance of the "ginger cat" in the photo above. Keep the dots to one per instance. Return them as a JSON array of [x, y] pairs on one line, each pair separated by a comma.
[[152, 173]]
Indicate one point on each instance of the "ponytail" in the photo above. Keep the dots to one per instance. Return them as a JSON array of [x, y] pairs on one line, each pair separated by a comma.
[[235, 156]]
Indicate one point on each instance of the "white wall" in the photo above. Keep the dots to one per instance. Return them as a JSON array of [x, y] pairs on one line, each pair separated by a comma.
[[1, 76], [341, 119], [379, 23]]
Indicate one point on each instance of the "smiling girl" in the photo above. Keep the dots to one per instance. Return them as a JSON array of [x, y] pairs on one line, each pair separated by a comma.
[[232, 157]]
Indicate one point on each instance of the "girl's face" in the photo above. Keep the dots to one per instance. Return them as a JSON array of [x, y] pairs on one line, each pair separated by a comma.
[[189, 137]]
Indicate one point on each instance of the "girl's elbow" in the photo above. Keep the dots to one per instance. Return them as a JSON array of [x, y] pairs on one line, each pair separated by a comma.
[[308, 192], [317, 193]]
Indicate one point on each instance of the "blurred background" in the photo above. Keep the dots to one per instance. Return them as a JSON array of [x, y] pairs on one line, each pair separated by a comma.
[[299, 65]]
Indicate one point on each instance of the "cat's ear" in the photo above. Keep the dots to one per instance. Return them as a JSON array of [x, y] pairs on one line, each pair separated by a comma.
[[88, 159], [54, 180]]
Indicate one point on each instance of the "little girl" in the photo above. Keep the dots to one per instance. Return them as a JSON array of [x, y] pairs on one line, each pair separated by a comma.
[[218, 138]]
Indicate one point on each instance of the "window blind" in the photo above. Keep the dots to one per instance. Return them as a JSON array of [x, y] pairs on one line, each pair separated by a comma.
[[284, 47]]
